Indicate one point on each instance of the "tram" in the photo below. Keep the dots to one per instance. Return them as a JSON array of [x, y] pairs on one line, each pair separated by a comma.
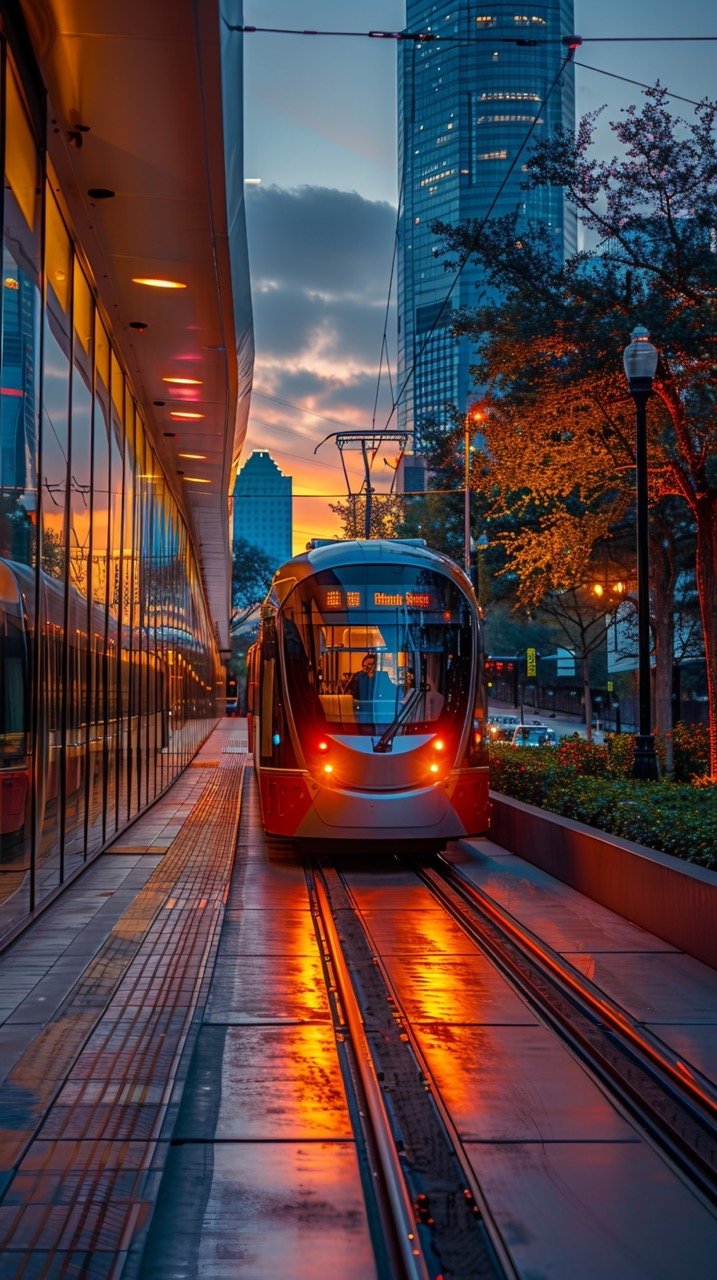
[[366, 698]]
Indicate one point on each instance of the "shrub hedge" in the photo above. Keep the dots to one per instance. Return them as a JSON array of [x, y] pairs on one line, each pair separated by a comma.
[[591, 784]]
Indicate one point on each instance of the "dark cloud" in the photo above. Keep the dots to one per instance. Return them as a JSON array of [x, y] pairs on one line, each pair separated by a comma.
[[332, 242], [289, 321], [321, 267]]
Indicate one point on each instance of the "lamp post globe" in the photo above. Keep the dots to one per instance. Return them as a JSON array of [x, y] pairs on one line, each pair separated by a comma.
[[640, 363]]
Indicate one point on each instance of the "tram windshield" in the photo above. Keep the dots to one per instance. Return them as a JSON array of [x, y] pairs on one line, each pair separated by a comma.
[[378, 649]]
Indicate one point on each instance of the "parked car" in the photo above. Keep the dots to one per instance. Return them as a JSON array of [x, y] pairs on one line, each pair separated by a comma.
[[501, 726], [533, 735]]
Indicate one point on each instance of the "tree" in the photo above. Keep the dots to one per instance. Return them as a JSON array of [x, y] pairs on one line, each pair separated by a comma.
[[385, 512], [252, 571], [562, 447]]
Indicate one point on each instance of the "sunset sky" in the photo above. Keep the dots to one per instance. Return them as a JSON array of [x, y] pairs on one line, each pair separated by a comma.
[[320, 134]]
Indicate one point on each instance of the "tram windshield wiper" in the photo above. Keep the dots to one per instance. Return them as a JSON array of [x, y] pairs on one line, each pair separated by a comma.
[[385, 742]]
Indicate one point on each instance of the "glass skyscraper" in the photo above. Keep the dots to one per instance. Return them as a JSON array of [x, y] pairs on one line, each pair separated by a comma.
[[465, 104], [263, 507]]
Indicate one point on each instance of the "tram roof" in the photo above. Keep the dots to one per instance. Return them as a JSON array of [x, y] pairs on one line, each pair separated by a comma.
[[136, 97], [332, 555]]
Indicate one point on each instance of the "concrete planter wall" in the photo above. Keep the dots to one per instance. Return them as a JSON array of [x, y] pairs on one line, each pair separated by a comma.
[[672, 899]]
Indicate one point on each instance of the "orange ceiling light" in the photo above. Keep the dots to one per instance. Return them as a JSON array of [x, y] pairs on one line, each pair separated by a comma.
[[183, 382], [153, 282], [195, 457], [196, 480], [186, 416]]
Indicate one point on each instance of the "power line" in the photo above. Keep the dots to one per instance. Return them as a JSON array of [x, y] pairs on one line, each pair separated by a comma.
[[418, 36], [408, 493], [638, 83], [431, 37], [336, 422]]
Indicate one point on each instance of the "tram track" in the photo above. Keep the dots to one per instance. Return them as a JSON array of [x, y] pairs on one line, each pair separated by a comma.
[[663, 1095], [433, 1218], [430, 1221]]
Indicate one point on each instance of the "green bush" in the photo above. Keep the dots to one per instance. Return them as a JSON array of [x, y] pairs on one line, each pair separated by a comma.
[[588, 784], [691, 751]]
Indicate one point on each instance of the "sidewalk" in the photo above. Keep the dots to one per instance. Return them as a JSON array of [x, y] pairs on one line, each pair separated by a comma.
[[99, 999]]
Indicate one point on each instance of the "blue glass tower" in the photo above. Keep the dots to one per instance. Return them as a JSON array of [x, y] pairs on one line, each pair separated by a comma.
[[465, 104], [263, 507]]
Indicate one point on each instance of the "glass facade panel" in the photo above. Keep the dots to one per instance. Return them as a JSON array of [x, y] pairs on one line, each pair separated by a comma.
[[108, 664], [101, 650], [19, 401], [56, 776], [78, 691]]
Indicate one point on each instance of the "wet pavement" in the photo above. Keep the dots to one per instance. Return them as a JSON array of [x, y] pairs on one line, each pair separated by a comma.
[[172, 1102]]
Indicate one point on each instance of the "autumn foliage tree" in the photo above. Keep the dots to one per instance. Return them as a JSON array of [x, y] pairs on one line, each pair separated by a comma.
[[561, 432]]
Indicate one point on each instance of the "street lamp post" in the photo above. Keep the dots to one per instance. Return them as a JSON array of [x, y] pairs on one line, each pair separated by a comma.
[[473, 416], [640, 361]]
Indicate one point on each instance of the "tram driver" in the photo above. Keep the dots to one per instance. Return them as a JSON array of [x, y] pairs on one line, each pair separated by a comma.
[[370, 686]]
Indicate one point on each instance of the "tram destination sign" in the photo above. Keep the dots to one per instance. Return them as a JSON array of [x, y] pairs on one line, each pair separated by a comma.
[[335, 598]]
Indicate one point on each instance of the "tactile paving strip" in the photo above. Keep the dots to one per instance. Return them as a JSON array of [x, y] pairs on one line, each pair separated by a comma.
[[83, 1110]]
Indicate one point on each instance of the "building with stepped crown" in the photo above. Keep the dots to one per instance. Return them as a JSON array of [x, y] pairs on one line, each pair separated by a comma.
[[263, 507]]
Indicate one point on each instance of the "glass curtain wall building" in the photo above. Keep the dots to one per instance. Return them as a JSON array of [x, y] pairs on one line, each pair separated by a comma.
[[262, 507], [110, 670], [466, 102]]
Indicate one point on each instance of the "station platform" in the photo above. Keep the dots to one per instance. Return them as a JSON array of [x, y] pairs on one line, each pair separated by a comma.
[[97, 1000], [171, 1101]]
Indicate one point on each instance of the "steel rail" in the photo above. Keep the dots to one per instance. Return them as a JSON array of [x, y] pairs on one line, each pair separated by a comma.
[[407, 1237], [627, 1058]]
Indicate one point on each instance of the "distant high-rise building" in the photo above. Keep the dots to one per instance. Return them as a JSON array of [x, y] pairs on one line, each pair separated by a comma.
[[465, 104], [262, 507]]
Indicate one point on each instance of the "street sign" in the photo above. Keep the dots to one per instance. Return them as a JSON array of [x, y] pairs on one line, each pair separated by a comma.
[[531, 665]]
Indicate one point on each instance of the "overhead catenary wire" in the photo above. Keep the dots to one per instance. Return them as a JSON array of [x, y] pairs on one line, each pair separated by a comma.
[[432, 37], [639, 84]]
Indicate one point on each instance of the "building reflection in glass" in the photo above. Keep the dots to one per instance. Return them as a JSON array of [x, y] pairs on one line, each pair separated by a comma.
[[108, 663]]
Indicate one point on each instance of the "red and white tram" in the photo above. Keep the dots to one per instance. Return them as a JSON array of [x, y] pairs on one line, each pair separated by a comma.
[[366, 698]]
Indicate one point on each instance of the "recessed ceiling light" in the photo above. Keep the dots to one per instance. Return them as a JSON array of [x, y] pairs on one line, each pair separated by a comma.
[[153, 283], [196, 457], [100, 193], [186, 416], [170, 435], [196, 480], [184, 382], [137, 324]]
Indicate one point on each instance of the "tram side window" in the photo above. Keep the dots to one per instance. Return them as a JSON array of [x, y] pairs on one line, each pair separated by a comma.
[[301, 672], [274, 743], [13, 686]]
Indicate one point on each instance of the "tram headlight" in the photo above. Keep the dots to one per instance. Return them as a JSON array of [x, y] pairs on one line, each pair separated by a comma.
[[322, 746], [439, 744]]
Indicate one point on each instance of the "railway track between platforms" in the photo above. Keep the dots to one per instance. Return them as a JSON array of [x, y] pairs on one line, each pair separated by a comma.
[[672, 1106], [424, 1206], [429, 1215]]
